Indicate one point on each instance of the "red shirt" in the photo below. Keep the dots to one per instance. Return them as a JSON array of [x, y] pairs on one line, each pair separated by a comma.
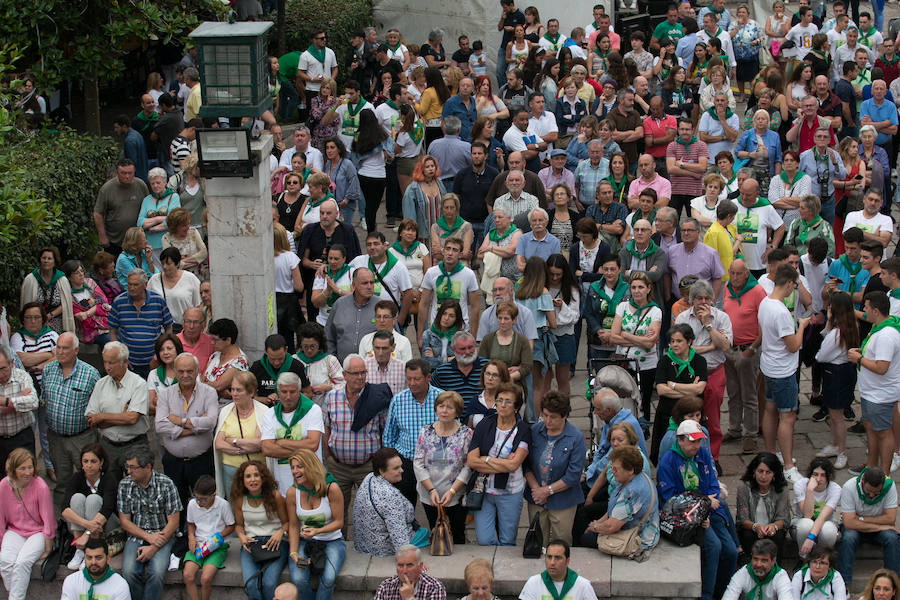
[[657, 128], [807, 131], [744, 322], [203, 349]]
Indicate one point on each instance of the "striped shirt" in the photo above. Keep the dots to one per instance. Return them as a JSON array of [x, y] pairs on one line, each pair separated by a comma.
[[347, 446], [14, 422], [139, 328], [148, 507], [449, 377], [29, 345], [67, 396], [406, 418], [684, 184], [394, 375]]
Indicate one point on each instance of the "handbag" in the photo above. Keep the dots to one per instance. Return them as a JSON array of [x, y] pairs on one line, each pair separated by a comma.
[[774, 48], [441, 538], [260, 553], [534, 539], [62, 550], [626, 542], [475, 497]]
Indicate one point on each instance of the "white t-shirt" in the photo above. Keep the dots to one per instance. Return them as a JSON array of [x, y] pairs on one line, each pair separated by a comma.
[[284, 264], [387, 116], [76, 587], [776, 321], [372, 165], [816, 276], [271, 429], [517, 140], [543, 125], [461, 283], [402, 347], [802, 36], [881, 389], [183, 296], [895, 306], [397, 54], [793, 301], [347, 123], [397, 279], [646, 359], [409, 148], [754, 225], [313, 157], [878, 223], [850, 501], [313, 68], [830, 496], [535, 589], [343, 283], [699, 204], [209, 520]]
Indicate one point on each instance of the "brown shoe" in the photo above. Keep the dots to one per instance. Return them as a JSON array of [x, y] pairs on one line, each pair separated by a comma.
[[749, 445]]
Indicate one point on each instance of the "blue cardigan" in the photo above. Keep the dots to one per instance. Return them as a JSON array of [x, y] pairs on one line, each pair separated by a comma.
[[484, 437], [668, 476], [566, 463]]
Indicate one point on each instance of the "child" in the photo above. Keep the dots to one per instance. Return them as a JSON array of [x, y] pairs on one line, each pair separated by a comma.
[[436, 348], [477, 60], [207, 515]]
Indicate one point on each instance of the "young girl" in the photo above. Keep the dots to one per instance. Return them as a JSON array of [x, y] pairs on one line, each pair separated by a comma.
[[209, 517], [436, 348], [564, 290], [533, 294]]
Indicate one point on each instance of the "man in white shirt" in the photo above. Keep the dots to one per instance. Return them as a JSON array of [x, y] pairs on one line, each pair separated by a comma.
[[720, 128], [761, 578], [450, 280], [755, 220], [352, 103], [386, 320], [801, 297], [778, 363], [392, 280], [96, 579], [890, 276], [712, 29], [552, 40], [801, 33], [869, 36], [543, 123], [522, 137], [874, 225], [557, 581], [317, 63], [301, 144]]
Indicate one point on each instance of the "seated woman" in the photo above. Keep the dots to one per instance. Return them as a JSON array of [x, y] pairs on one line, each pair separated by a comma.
[[436, 346], [479, 577], [689, 408], [90, 306], [508, 346], [27, 522], [260, 517], [634, 497], [238, 433], [47, 284], [884, 584], [499, 446], [816, 499], [763, 482], [492, 375], [323, 370], [388, 515], [90, 500], [315, 508], [167, 347], [227, 358], [818, 579]]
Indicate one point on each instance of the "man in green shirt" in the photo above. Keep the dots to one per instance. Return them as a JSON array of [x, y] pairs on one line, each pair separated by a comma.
[[289, 96], [670, 28]]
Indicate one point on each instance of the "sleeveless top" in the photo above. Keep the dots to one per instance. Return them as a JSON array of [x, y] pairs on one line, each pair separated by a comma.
[[256, 522], [317, 517]]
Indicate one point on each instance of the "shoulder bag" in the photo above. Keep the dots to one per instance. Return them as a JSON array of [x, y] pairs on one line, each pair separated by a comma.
[[626, 542], [475, 496]]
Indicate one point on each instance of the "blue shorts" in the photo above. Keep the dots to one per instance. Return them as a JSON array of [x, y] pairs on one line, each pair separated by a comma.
[[879, 416], [783, 392], [565, 348]]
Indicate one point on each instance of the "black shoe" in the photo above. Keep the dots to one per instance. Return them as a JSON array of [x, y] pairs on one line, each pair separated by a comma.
[[820, 415], [857, 427], [815, 400], [849, 415]]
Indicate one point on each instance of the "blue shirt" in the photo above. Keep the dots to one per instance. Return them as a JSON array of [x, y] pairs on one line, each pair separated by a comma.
[[670, 480], [623, 416], [134, 148], [405, 419], [138, 329], [452, 155], [528, 246], [747, 143], [449, 377], [886, 112], [837, 269], [563, 461], [684, 50], [454, 107], [813, 167], [126, 263]]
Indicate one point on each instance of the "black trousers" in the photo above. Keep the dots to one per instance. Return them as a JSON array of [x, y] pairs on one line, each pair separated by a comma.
[[679, 201], [457, 517], [392, 196], [372, 190], [407, 485], [748, 538], [584, 515], [660, 425], [23, 439], [288, 317]]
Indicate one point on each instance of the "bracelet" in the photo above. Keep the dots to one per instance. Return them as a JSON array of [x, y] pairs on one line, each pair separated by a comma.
[[294, 554], [811, 537]]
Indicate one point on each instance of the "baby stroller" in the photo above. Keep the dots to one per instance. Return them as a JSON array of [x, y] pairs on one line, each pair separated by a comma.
[[603, 374]]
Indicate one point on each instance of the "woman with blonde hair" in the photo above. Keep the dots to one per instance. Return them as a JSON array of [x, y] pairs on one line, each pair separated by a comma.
[[238, 431], [319, 187], [288, 287], [136, 254], [325, 120], [396, 49], [188, 241], [479, 577], [718, 82], [190, 188], [155, 87]]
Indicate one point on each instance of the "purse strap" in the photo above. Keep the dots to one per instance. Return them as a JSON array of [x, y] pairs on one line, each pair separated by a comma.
[[652, 501], [372, 502]]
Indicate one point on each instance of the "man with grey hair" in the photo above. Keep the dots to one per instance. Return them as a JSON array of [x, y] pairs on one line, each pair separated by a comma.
[[537, 242], [411, 580], [608, 406], [516, 201], [533, 185], [462, 107], [693, 257], [118, 408], [451, 152], [718, 128], [194, 99], [352, 316], [301, 144], [462, 373], [17, 401], [712, 337], [502, 291], [666, 223], [136, 319], [294, 423], [589, 173], [642, 254]]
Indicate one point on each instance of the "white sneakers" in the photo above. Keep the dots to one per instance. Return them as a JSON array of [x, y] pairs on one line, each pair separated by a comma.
[[895, 462], [840, 461], [828, 451], [77, 561], [174, 562], [792, 475]]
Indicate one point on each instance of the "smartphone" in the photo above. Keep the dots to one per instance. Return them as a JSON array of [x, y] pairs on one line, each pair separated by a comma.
[[858, 177]]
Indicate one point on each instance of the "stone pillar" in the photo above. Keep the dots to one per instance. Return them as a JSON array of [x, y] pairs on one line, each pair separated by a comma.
[[241, 256]]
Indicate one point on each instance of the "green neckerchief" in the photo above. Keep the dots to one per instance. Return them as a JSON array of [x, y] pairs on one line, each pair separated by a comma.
[[681, 365], [57, 275], [444, 334], [716, 12], [106, 575], [651, 248], [891, 321], [718, 31], [601, 54], [33, 336], [819, 156], [820, 586], [285, 366], [733, 176], [796, 178], [161, 375], [392, 105], [638, 215], [79, 289], [317, 54], [329, 479], [165, 194], [759, 583], [865, 36], [618, 188], [687, 144], [147, 121], [354, 110], [417, 132], [444, 278], [395, 47], [332, 296], [712, 112], [568, 584], [448, 230], [885, 488], [690, 474], [889, 62], [673, 426], [496, 237], [618, 293], [895, 294], [407, 253], [760, 202], [388, 265], [299, 412], [635, 306], [853, 269], [550, 39], [312, 204], [805, 227], [751, 283], [308, 361]]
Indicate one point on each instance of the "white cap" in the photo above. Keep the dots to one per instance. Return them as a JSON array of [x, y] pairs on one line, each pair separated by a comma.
[[691, 429]]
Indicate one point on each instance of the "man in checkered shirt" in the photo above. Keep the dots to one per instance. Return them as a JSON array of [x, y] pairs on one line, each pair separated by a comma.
[[17, 400], [411, 580]]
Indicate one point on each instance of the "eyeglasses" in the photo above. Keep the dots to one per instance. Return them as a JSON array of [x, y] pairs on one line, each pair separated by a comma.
[[355, 373], [321, 37], [130, 468], [504, 401], [292, 182]]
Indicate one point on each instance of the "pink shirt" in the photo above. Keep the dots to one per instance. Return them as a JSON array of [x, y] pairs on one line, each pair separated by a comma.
[[203, 349], [38, 517], [660, 185], [615, 40]]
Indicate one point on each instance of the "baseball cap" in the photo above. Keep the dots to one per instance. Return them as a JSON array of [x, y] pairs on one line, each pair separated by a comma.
[[691, 429], [557, 152]]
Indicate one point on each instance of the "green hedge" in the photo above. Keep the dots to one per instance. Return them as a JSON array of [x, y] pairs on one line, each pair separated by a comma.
[[48, 185]]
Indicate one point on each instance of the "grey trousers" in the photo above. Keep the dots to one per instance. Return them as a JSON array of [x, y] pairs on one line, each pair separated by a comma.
[[65, 452], [740, 382]]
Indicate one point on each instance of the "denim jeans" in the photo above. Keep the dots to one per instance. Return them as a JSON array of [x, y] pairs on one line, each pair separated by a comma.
[[497, 523], [878, 14], [289, 98], [719, 558], [852, 539], [347, 211], [827, 210], [270, 575], [501, 65], [335, 552], [145, 579]]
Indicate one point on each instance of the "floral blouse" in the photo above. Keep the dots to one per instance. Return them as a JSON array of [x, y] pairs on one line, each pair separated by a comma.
[[646, 359], [743, 39], [214, 369], [388, 516], [442, 459]]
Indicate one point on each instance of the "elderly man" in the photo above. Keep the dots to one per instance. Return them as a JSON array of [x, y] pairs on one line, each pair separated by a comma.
[[692, 257], [537, 242], [802, 132], [137, 318], [610, 215], [607, 405], [649, 178], [186, 416], [148, 512], [829, 104], [410, 411], [686, 159], [516, 162], [193, 338], [382, 367], [642, 254], [517, 203], [627, 127], [557, 173], [522, 137], [354, 417], [449, 280], [502, 290], [556, 561], [461, 107], [667, 232], [712, 337], [451, 151], [286, 591], [66, 388], [18, 400], [588, 174], [462, 373], [392, 280], [352, 316], [881, 114], [118, 408], [719, 127], [302, 145], [411, 581], [294, 423], [275, 361], [118, 205], [757, 221]]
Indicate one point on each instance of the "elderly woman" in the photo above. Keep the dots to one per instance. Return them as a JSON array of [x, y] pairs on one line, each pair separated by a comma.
[[448, 225], [47, 284], [499, 446], [508, 345], [596, 501], [809, 225], [260, 516], [553, 469], [718, 82], [388, 515], [155, 208], [90, 306], [136, 254], [634, 503], [789, 187], [89, 500], [27, 522], [187, 240], [315, 508], [767, 102], [342, 173], [319, 187], [190, 191], [167, 347], [422, 198], [440, 464], [479, 577], [433, 51], [763, 502], [179, 288], [323, 370], [498, 250], [761, 148], [816, 499], [226, 360], [871, 154], [238, 433]]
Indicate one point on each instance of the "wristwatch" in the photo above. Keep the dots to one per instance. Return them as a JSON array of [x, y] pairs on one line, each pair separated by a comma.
[[234, 442], [707, 327], [672, 384], [550, 489]]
